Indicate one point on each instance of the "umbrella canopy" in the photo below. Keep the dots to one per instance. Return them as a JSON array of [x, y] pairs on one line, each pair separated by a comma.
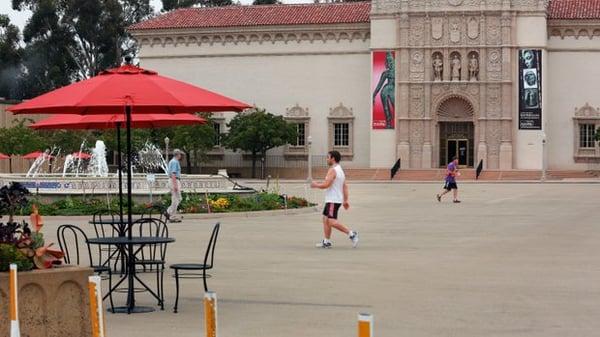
[[66, 121], [36, 155], [128, 85], [3, 156], [81, 155]]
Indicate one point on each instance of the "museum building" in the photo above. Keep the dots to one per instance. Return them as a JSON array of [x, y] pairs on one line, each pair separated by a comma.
[[512, 83]]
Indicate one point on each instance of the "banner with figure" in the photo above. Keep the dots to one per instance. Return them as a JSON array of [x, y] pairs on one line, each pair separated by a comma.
[[384, 89], [530, 89]]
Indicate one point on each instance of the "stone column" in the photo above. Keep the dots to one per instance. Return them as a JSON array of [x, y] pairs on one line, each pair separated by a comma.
[[506, 147], [402, 92], [427, 146]]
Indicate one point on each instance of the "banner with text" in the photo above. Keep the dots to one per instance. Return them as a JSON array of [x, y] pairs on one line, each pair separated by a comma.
[[530, 89], [384, 89]]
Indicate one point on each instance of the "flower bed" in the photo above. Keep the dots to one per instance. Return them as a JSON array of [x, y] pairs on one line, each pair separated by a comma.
[[191, 203]]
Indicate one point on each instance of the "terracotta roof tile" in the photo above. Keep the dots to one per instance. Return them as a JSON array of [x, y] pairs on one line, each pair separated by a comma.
[[574, 9], [264, 15]]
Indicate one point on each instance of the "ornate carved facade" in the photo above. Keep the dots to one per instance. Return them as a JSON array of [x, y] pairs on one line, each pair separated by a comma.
[[462, 50]]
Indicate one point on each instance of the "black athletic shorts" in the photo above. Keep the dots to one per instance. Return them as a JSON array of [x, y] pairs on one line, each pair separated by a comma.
[[450, 186], [331, 210]]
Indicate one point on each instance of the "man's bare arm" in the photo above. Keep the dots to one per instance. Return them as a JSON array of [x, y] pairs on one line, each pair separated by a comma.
[[328, 180]]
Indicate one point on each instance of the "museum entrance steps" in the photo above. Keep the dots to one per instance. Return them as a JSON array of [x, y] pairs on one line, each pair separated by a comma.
[[466, 174]]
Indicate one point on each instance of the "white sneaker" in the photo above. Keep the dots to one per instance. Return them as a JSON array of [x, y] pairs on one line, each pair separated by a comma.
[[324, 244], [354, 239]]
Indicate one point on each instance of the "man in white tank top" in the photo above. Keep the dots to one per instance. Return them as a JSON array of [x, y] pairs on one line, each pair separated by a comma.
[[336, 195]]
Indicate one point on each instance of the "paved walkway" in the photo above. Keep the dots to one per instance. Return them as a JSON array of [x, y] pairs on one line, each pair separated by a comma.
[[511, 260]]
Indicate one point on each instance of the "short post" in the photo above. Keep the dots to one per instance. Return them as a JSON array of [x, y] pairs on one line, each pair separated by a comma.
[[309, 177], [210, 313], [96, 311], [365, 325], [14, 302]]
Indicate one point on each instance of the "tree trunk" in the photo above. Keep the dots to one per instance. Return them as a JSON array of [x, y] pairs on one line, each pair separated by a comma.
[[253, 164], [10, 164], [188, 160]]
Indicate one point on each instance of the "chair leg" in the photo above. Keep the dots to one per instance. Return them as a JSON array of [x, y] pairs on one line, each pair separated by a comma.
[[176, 290], [110, 298], [162, 288], [204, 279], [158, 287]]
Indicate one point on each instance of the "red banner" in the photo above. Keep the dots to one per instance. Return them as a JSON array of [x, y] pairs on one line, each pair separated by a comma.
[[383, 90]]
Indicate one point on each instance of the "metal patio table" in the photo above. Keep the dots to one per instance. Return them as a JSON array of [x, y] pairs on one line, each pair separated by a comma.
[[122, 243]]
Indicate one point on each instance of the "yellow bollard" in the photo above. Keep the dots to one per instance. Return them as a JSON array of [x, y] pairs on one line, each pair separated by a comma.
[[14, 302], [365, 325], [210, 313], [96, 311]]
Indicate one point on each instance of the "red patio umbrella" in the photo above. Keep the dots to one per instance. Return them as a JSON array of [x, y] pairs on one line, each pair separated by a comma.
[[36, 155], [67, 121], [81, 155], [144, 91], [130, 90], [3, 156]]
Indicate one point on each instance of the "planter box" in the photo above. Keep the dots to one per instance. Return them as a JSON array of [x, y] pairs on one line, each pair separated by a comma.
[[52, 303]]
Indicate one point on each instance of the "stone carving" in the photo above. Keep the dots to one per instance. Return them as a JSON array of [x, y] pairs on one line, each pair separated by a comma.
[[587, 112], [495, 64], [473, 67], [416, 66], [417, 32], [296, 111], [438, 67], [417, 107], [473, 28], [455, 108], [494, 101], [455, 30], [456, 66], [493, 30], [455, 2], [341, 111], [437, 28]]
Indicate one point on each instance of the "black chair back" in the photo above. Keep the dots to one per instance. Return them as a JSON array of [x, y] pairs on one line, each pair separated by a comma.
[[155, 212], [209, 256], [102, 229], [150, 227], [73, 242]]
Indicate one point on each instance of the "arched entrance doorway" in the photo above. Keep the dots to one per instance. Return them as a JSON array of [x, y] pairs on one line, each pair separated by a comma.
[[456, 131]]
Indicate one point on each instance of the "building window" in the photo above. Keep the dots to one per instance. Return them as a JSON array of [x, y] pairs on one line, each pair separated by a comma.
[[217, 128], [587, 134], [586, 122], [341, 134], [341, 131], [301, 131]]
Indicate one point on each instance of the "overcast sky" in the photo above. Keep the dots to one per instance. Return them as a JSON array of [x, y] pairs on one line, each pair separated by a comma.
[[20, 18]]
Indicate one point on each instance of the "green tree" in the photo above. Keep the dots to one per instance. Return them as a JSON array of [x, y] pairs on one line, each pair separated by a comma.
[[195, 141], [258, 132], [266, 2], [10, 57], [71, 40], [19, 140], [174, 4]]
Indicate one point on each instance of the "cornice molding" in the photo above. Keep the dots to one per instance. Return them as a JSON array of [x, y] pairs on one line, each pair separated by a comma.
[[574, 28], [248, 35]]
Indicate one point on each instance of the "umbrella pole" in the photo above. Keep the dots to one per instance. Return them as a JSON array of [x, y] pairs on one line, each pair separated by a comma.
[[130, 257], [120, 169]]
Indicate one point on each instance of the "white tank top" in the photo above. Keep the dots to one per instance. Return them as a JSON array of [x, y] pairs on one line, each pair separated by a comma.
[[335, 192]]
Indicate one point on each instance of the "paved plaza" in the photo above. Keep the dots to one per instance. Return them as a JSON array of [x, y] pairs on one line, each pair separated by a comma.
[[511, 260]]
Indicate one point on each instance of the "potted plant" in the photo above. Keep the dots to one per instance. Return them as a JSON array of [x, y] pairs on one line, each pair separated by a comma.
[[52, 301]]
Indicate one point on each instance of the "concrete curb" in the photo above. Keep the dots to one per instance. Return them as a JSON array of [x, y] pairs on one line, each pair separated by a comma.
[[255, 214], [561, 181]]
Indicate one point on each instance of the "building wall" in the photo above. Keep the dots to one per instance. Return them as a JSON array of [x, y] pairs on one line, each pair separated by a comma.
[[316, 75], [573, 82]]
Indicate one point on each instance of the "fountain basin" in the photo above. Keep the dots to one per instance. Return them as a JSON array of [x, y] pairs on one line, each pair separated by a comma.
[[142, 184]]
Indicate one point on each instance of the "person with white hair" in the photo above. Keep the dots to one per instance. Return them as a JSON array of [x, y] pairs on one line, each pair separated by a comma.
[[175, 185]]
